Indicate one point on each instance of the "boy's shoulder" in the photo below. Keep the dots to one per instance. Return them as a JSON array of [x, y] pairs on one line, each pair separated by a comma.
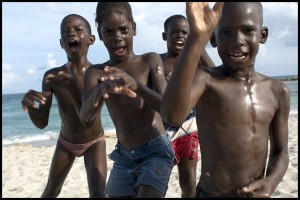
[[151, 53], [276, 85], [96, 67], [150, 57], [56, 69], [163, 55]]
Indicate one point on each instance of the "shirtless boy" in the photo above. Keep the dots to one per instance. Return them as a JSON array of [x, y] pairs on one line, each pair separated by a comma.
[[143, 158], [185, 137], [238, 110], [77, 138]]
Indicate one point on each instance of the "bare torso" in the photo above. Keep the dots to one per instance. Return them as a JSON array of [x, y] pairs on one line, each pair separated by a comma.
[[135, 121], [72, 128], [243, 121]]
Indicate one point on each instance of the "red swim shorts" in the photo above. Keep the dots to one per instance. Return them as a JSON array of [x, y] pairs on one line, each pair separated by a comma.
[[186, 146]]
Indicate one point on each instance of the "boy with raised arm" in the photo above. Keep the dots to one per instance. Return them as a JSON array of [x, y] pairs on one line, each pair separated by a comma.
[[238, 110], [184, 138]]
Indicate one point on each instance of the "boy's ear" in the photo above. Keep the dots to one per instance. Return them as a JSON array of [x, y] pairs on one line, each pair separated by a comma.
[[164, 36], [92, 39], [264, 35], [134, 28], [213, 41]]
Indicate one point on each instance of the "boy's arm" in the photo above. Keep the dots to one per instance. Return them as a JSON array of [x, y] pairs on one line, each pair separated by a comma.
[[176, 100], [91, 102], [71, 82], [119, 82], [205, 60], [278, 158], [153, 96], [38, 115]]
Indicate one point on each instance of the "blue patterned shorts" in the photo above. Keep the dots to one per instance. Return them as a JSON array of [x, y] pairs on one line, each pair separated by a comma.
[[149, 164]]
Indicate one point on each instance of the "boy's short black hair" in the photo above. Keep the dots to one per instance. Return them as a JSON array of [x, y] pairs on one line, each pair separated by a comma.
[[87, 24], [171, 18], [258, 4], [122, 8]]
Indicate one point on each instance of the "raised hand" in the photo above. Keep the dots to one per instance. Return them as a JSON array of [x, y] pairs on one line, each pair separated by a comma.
[[33, 96], [202, 18], [113, 73], [115, 81]]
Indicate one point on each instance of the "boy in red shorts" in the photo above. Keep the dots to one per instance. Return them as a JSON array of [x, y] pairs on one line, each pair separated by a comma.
[[184, 138]]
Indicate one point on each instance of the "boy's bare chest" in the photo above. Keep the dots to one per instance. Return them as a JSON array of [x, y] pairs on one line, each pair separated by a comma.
[[139, 72], [244, 101]]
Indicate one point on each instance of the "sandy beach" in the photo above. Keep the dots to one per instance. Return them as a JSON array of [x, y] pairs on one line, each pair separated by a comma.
[[25, 171]]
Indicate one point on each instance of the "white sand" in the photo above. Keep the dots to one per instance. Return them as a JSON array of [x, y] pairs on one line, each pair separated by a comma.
[[25, 171]]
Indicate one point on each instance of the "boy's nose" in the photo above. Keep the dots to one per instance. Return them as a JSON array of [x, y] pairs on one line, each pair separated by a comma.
[[239, 38], [119, 36], [71, 32]]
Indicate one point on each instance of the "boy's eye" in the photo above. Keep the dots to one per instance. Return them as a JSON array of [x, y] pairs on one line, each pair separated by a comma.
[[106, 32], [124, 30], [248, 30], [224, 32], [179, 31]]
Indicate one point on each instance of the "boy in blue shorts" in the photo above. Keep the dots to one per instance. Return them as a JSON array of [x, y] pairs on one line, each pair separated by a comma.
[[143, 158]]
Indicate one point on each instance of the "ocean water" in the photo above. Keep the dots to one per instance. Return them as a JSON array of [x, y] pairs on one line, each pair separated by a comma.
[[18, 128]]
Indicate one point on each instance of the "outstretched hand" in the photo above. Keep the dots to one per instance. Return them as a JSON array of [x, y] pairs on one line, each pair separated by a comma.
[[115, 81], [202, 18], [60, 79], [256, 189], [33, 96]]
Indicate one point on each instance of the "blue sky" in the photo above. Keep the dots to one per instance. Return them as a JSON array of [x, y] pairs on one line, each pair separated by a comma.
[[31, 33]]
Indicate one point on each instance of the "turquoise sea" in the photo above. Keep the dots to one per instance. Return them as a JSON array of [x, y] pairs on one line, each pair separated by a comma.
[[18, 128]]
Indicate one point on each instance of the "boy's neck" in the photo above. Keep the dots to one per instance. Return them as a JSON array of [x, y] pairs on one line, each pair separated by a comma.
[[244, 75], [171, 54], [113, 61], [79, 64]]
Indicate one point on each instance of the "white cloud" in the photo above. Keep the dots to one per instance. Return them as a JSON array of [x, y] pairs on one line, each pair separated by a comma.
[[9, 78], [6, 67], [30, 71], [51, 61], [26, 47]]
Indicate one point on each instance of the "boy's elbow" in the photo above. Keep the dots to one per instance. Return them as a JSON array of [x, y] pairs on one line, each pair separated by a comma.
[[168, 118], [41, 125], [86, 119]]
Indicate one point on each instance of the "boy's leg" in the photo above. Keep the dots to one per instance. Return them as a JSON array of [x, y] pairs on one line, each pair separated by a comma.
[[61, 164], [187, 169], [186, 148], [156, 168], [96, 167], [146, 191]]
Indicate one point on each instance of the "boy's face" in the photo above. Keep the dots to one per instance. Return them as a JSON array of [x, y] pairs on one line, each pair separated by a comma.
[[117, 33], [176, 34], [238, 35], [75, 37]]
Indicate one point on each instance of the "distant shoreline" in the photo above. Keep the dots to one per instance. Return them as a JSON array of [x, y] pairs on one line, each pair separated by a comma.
[[286, 78], [282, 78], [289, 79]]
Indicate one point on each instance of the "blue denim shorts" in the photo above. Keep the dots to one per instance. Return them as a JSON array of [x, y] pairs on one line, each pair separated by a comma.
[[150, 164]]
